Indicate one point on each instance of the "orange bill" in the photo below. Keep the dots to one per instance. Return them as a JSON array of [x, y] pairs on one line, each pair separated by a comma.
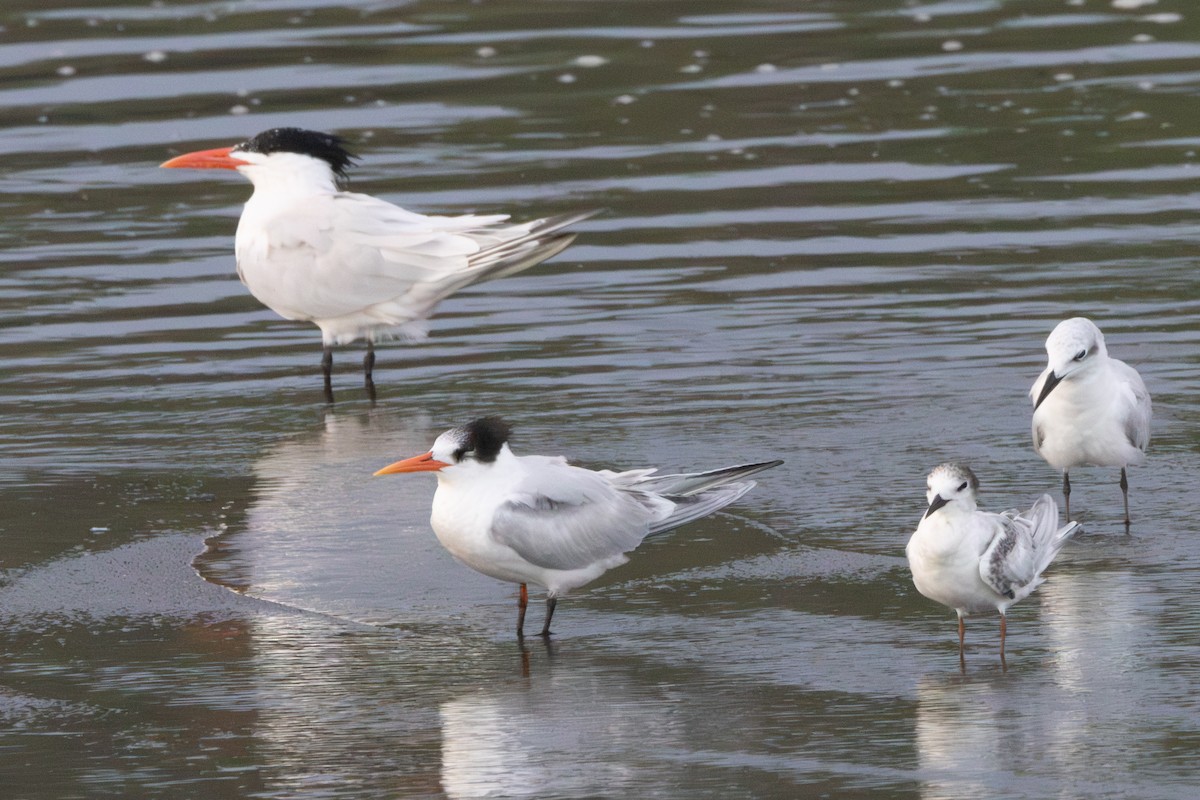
[[422, 463], [219, 158]]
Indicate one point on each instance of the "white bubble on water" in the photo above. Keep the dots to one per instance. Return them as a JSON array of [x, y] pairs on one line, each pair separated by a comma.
[[590, 61]]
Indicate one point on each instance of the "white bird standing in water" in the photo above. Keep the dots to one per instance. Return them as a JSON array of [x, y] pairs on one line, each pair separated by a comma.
[[356, 266], [975, 561], [536, 519], [1088, 408]]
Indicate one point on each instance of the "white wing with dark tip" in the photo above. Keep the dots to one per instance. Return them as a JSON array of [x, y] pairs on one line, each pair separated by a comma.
[[564, 517], [687, 483], [695, 494], [346, 254]]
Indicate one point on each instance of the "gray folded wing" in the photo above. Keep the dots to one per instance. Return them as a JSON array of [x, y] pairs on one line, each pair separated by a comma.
[[576, 523], [569, 518], [1137, 417]]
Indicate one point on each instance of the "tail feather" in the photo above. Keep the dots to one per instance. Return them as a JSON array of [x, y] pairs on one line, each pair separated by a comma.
[[514, 259], [1060, 539], [692, 483], [696, 506], [540, 242], [1047, 536], [696, 494]]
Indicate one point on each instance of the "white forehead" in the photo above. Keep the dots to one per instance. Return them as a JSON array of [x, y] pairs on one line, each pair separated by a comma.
[[449, 442], [1073, 335]]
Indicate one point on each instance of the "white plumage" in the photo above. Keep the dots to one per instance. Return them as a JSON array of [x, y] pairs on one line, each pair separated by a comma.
[[356, 266], [975, 561], [537, 519], [1089, 409]]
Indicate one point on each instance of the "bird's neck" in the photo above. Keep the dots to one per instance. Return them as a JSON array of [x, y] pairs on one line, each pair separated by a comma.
[[504, 472], [950, 515], [291, 189], [1084, 384], [290, 178]]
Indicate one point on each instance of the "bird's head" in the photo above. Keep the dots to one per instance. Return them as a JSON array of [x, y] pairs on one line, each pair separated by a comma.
[[479, 443], [1072, 348], [280, 155], [951, 484]]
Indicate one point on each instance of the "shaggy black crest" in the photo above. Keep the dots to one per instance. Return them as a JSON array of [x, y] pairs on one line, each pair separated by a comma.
[[485, 437], [324, 146]]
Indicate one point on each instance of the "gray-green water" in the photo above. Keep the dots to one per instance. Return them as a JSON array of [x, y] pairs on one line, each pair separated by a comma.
[[837, 233]]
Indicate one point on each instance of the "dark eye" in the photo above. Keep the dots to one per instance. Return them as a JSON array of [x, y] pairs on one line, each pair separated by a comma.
[[1081, 355], [962, 486], [459, 453]]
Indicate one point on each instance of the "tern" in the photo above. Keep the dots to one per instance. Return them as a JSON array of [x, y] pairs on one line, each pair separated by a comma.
[[975, 561], [356, 266], [1088, 408], [539, 520]]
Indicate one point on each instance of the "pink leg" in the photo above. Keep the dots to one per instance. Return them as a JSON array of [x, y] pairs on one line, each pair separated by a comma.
[[1003, 631], [522, 603]]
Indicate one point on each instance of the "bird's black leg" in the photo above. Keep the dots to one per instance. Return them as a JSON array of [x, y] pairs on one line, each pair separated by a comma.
[[369, 370], [1125, 493], [1067, 493], [327, 372], [522, 602], [369, 362], [551, 602]]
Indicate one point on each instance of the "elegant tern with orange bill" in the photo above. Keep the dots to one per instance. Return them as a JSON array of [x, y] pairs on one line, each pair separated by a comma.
[[539, 520], [356, 266]]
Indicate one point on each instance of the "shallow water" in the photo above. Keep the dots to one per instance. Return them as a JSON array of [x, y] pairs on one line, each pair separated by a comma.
[[837, 234]]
